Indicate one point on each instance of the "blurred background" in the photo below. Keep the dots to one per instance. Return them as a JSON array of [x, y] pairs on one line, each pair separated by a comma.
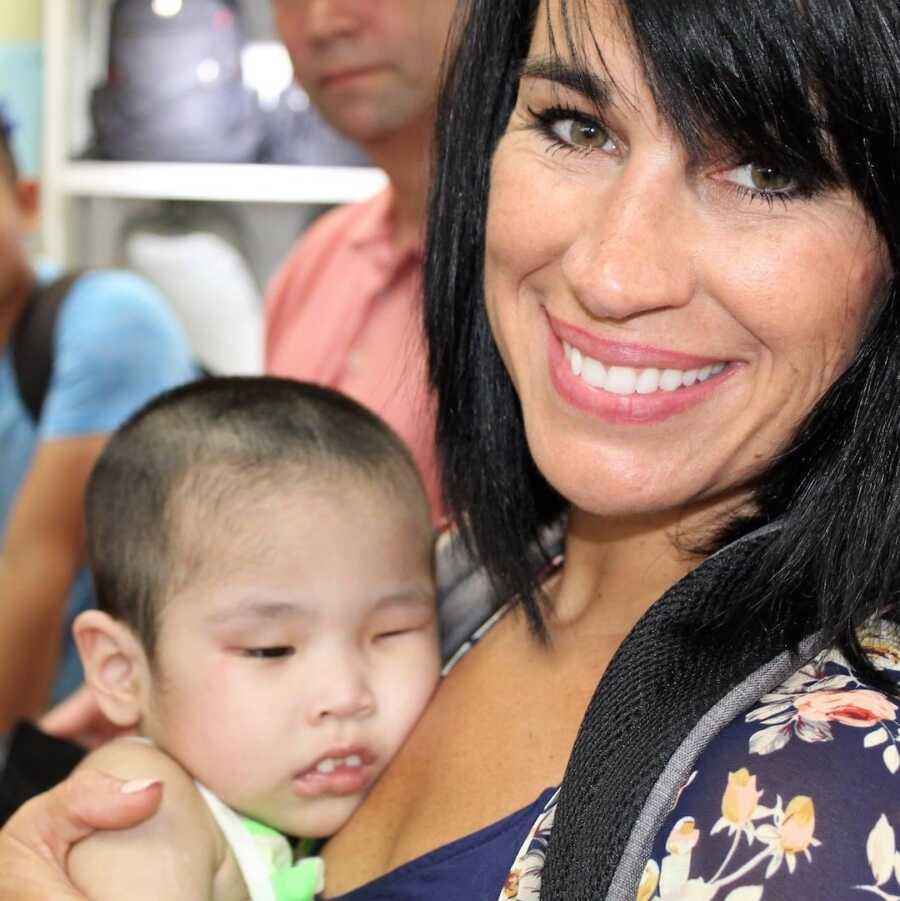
[[169, 137], [21, 76]]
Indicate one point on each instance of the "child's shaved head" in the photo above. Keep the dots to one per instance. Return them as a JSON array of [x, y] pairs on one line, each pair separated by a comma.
[[210, 444]]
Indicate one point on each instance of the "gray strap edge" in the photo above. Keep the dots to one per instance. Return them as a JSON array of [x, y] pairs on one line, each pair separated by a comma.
[[466, 597], [661, 800]]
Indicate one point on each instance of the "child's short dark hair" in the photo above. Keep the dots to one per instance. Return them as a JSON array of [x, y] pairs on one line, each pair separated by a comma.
[[204, 444]]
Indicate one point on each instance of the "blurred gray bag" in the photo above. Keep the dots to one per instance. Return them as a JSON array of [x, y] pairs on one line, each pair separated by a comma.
[[296, 134], [174, 89], [194, 253]]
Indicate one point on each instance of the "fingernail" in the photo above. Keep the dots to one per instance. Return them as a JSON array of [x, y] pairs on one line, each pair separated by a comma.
[[138, 785]]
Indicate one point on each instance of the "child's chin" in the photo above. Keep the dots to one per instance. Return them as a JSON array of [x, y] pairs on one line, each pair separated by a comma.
[[321, 818]]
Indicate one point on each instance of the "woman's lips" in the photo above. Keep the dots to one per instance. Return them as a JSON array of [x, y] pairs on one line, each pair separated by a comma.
[[633, 394], [626, 380], [621, 353]]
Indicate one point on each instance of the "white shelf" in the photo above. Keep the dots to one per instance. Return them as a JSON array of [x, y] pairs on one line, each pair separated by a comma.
[[221, 181], [75, 33]]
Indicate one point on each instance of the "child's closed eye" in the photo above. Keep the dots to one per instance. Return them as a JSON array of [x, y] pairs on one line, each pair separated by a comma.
[[402, 631], [395, 633], [268, 653]]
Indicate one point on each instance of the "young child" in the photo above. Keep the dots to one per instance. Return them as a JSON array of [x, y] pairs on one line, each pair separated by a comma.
[[262, 553]]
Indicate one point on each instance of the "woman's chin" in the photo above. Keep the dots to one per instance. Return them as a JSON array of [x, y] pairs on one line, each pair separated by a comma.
[[647, 497]]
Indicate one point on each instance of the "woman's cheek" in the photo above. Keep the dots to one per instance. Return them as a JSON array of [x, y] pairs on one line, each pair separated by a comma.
[[529, 226], [534, 210]]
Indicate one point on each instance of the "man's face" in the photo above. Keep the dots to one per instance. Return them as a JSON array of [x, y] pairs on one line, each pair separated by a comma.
[[371, 67]]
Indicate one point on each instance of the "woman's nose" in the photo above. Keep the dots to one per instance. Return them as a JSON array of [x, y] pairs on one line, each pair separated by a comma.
[[634, 253], [342, 692]]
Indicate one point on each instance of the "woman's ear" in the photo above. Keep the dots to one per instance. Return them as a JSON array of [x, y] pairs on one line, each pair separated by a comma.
[[115, 666]]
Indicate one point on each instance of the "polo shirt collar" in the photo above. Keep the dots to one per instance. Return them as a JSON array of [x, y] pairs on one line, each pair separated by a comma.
[[374, 230]]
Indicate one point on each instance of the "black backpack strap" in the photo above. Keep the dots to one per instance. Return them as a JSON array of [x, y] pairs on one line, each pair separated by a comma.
[[35, 763], [32, 341]]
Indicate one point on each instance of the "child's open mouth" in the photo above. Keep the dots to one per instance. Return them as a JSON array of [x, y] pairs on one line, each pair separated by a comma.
[[339, 772]]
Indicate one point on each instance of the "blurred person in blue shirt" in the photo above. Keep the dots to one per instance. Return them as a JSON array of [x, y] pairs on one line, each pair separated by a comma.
[[115, 345]]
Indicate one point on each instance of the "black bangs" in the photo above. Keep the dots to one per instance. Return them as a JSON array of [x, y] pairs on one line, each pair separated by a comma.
[[855, 49], [737, 81]]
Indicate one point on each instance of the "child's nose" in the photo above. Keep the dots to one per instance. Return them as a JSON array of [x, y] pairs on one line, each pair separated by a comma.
[[343, 695]]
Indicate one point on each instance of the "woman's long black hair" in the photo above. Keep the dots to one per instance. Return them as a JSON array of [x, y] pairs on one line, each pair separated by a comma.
[[812, 87]]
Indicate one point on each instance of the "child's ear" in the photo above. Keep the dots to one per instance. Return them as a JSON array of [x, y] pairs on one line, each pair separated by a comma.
[[115, 666]]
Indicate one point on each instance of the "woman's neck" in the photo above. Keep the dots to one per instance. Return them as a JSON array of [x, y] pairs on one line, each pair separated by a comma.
[[617, 567]]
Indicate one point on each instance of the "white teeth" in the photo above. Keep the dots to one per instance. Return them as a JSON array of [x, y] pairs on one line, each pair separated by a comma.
[[330, 764], [647, 381], [576, 360], [620, 380], [625, 380], [593, 372], [670, 379]]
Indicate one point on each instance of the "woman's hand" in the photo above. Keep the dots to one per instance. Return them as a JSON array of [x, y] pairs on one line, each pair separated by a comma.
[[36, 841], [80, 719]]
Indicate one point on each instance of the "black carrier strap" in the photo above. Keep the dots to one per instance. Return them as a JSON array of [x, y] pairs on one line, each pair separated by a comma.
[[32, 341], [35, 763]]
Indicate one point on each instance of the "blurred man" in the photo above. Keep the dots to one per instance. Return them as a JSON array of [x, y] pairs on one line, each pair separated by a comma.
[[113, 345], [345, 309]]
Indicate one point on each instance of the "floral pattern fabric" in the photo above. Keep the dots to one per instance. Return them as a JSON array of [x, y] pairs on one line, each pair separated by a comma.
[[799, 798]]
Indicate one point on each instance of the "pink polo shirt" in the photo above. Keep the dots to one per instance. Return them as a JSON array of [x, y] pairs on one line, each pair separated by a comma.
[[345, 311]]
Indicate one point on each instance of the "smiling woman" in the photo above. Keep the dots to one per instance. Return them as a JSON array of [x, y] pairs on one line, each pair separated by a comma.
[[687, 233], [648, 260], [664, 333], [663, 313]]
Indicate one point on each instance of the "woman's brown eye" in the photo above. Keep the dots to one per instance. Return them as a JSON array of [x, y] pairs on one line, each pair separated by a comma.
[[769, 178], [588, 135]]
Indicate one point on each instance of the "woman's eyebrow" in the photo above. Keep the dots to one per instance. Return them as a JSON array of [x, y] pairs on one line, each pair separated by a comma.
[[569, 75]]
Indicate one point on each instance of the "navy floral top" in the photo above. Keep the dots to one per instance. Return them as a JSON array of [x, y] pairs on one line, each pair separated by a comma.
[[798, 798]]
